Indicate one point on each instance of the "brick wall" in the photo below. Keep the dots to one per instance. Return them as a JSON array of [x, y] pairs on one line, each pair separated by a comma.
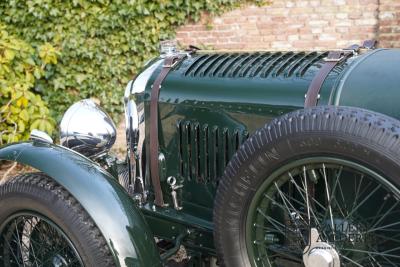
[[389, 23], [298, 25]]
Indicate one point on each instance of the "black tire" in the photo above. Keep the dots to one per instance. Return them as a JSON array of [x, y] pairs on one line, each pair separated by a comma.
[[39, 195], [354, 134]]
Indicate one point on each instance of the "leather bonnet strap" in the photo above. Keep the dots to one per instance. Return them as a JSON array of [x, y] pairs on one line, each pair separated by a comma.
[[169, 63], [333, 58]]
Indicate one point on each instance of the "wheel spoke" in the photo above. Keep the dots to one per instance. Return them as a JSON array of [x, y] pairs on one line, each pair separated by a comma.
[[362, 202], [382, 217], [286, 203], [279, 226], [383, 228], [385, 238], [371, 258], [293, 215], [8, 245], [19, 244], [358, 187], [335, 186], [352, 261], [34, 241], [301, 191], [284, 252], [334, 200], [307, 195], [329, 202], [314, 200], [284, 208], [376, 253]]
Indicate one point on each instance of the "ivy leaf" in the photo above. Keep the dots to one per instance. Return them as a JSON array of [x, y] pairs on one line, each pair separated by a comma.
[[21, 126], [18, 74], [80, 78], [76, 49], [37, 73], [24, 115], [9, 54], [48, 54], [29, 61]]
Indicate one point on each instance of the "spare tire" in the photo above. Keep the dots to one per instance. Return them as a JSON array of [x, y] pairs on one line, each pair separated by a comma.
[[330, 171]]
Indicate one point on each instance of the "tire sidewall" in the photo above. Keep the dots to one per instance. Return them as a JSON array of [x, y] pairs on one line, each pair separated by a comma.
[[258, 159], [41, 200]]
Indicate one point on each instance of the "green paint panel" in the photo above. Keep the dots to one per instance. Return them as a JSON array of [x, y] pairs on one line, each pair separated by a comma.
[[210, 103], [372, 82]]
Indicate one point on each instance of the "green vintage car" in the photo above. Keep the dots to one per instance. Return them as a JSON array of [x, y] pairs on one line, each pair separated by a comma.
[[233, 159]]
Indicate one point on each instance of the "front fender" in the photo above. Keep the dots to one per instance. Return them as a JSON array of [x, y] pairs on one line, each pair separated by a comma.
[[113, 211]]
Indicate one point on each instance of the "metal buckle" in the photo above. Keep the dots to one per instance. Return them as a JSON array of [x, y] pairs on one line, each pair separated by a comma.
[[338, 56], [369, 44], [171, 65], [175, 60], [327, 59]]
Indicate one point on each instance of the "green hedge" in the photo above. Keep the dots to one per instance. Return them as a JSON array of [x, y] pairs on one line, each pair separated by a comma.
[[21, 67], [102, 42]]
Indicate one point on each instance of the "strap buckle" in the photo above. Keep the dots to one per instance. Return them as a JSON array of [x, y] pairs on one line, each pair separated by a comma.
[[171, 62], [171, 65], [338, 56], [334, 56], [327, 59], [369, 44]]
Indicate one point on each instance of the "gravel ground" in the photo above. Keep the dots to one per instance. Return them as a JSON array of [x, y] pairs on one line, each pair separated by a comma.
[[9, 169], [119, 147]]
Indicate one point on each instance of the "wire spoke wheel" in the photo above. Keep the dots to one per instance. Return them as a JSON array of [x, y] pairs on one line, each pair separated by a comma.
[[30, 240], [317, 187], [354, 210]]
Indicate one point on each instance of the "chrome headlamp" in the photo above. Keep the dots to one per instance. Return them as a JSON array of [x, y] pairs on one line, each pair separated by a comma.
[[87, 129]]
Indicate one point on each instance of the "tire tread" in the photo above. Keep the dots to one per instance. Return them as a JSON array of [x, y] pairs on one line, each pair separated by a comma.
[[366, 126], [37, 180]]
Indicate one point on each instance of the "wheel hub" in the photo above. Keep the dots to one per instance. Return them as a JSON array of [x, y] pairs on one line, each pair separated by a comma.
[[354, 213], [59, 261], [319, 254]]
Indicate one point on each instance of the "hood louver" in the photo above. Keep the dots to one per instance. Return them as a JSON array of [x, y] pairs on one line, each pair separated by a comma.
[[264, 65], [204, 151]]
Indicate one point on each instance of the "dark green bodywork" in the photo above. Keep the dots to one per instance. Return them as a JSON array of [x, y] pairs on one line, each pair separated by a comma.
[[211, 102], [114, 212], [372, 82]]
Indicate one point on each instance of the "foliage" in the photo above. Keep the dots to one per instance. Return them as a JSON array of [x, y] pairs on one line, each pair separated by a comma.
[[103, 42], [21, 110]]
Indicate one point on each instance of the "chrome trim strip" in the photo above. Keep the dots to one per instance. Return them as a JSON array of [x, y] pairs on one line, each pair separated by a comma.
[[135, 127], [40, 136]]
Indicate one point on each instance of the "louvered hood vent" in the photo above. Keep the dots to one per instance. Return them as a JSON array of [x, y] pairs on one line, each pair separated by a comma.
[[204, 150], [264, 65]]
